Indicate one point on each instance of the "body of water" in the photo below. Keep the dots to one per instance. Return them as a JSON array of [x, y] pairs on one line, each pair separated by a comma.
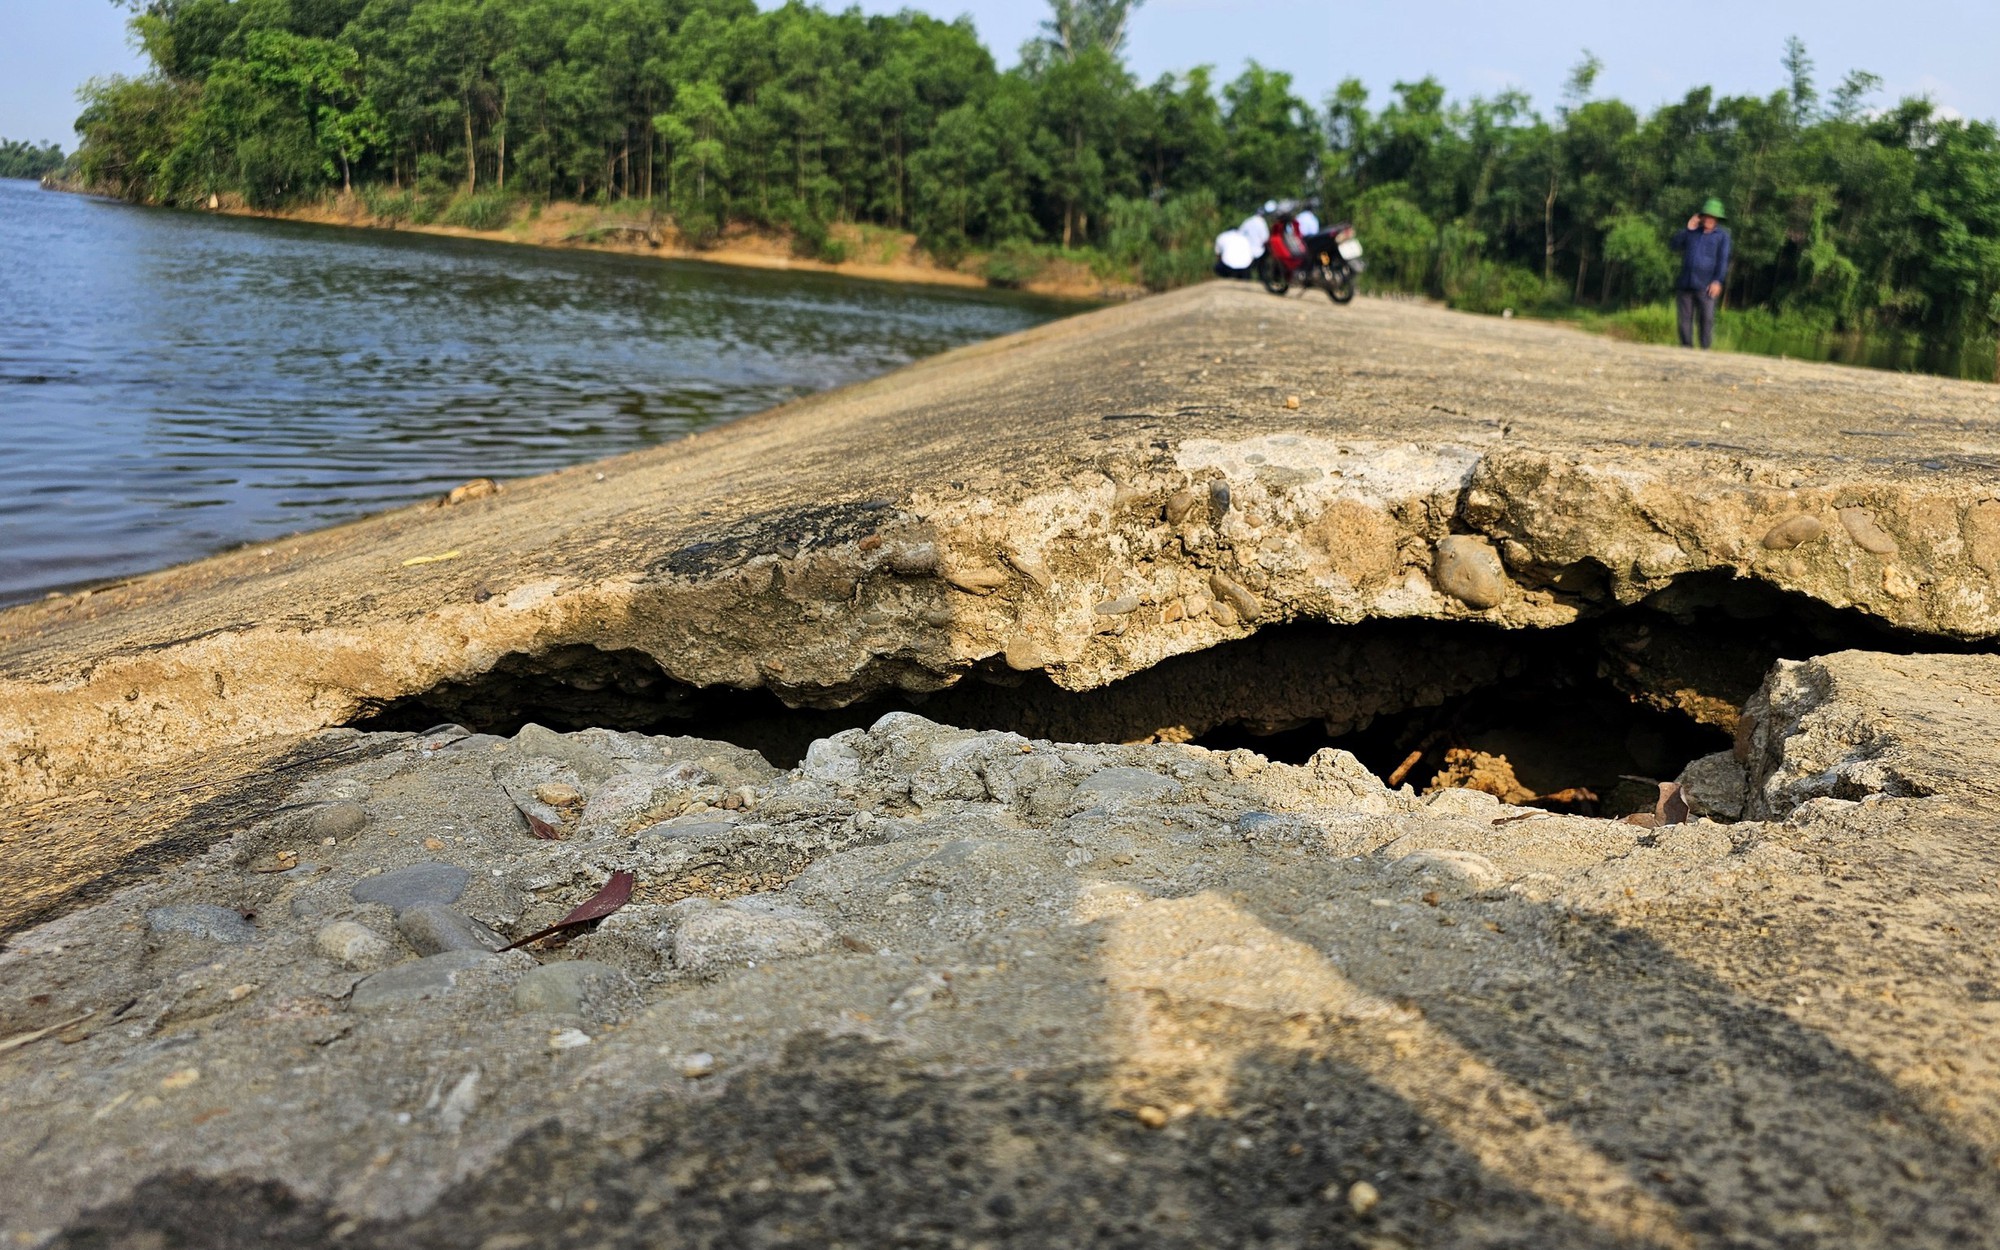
[[172, 384]]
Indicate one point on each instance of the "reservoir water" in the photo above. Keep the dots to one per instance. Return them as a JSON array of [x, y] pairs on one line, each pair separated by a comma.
[[172, 384]]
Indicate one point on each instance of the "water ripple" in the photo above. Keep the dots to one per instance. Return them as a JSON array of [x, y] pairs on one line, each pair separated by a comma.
[[176, 383]]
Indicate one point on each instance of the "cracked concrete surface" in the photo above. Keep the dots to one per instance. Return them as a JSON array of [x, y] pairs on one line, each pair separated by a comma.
[[939, 987]]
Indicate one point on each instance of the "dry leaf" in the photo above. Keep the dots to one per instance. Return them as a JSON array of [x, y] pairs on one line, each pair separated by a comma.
[[539, 827], [1672, 807], [613, 896]]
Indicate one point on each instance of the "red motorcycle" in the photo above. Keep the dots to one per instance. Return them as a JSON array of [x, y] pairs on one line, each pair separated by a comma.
[[1329, 260]]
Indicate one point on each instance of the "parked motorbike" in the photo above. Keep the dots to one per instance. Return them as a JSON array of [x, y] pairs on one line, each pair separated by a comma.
[[1329, 260]]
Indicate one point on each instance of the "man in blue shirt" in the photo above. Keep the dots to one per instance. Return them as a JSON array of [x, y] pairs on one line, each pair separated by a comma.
[[1704, 249]]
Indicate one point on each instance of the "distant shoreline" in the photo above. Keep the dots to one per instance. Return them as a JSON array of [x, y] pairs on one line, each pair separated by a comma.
[[562, 224]]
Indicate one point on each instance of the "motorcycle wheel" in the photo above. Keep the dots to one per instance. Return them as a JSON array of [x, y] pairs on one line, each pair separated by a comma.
[[1341, 288], [1276, 279]]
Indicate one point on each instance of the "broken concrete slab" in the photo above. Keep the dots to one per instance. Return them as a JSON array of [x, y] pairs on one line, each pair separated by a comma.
[[1855, 725], [838, 548]]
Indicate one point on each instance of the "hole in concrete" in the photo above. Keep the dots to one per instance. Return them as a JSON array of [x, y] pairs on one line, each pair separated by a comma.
[[1603, 706]]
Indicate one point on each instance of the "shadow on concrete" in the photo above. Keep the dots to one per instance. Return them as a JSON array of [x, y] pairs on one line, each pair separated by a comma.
[[1632, 1098]]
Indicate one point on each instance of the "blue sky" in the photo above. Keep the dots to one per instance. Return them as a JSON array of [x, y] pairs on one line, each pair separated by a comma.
[[1652, 53]]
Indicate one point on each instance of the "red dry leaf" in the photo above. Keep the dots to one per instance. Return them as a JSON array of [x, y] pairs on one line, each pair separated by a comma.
[[542, 828], [538, 827], [616, 893], [1672, 807]]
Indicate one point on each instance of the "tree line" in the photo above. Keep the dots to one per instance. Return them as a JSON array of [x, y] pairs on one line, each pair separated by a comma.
[[1849, 213], [19, 159]]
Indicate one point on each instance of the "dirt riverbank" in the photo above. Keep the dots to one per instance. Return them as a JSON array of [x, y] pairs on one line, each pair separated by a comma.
[[874, 253]]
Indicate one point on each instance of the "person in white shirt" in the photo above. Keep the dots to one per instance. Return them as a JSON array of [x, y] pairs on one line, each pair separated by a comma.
[[1234, 254], [1308, 223], [1258, 231]]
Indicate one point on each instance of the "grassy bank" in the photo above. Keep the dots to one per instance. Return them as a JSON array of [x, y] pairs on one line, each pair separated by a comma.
[[1471, 284], [1764, 333]]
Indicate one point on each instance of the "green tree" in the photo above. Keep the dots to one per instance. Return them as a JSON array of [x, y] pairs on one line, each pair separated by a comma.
[[1848, 215], [1270, 142], [1075, 28], [26, 160]]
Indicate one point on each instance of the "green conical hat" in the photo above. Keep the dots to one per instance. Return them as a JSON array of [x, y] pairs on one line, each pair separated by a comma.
[[1713, 209]]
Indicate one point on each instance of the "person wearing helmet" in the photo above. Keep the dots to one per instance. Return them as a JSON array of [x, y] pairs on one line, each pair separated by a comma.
[[1704, 247]]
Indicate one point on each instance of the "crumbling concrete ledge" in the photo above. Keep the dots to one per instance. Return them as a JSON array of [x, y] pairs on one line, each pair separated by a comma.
[[1085, 500]]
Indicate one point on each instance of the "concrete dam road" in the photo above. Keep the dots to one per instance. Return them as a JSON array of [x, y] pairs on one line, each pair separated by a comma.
[[1054, 973]]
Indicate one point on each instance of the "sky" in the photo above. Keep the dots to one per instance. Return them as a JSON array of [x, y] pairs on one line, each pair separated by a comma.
[[1652, 54]]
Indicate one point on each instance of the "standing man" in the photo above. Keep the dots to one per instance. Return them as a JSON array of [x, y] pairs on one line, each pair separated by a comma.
[[1704, 249]]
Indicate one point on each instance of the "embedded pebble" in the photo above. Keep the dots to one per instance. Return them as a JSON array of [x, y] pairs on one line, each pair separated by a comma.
[[202, 920], [1469, 570], [1793, 532], [417, 980], [354, 945], [914, 561], [565, 988], [1180, 504], [559, 794], [1123, 605], [1867, 535], [415, 886], [1251, 824], [337, 820], [433, 930], [568, 1039], [710, 937], [1226, 589], [1218, 499], [698, 1065], [1363, 1197]]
